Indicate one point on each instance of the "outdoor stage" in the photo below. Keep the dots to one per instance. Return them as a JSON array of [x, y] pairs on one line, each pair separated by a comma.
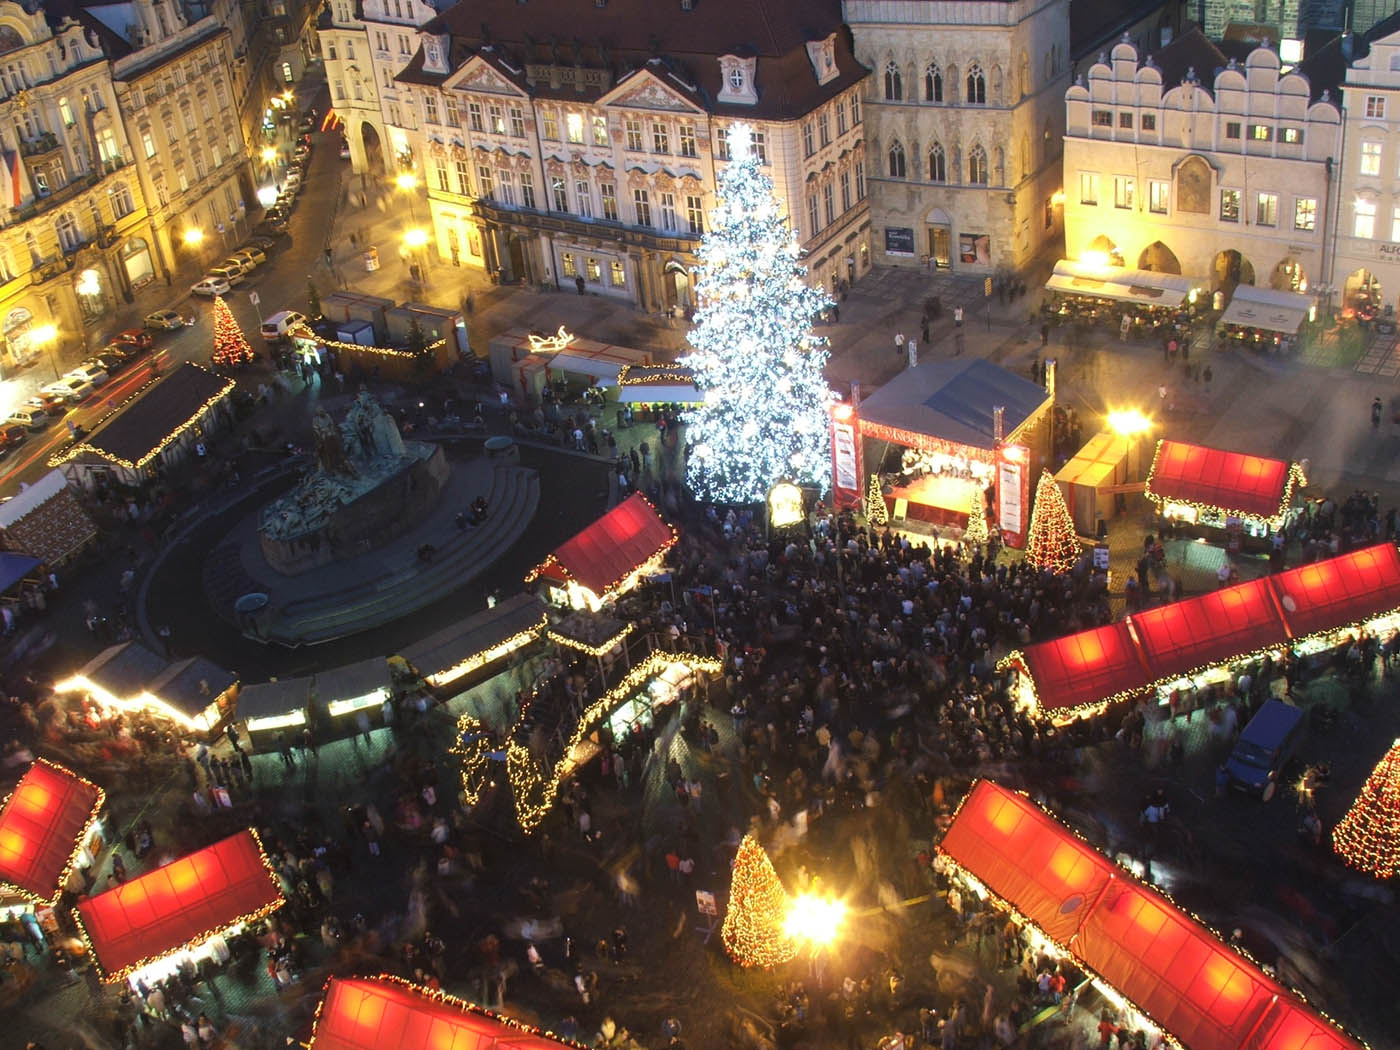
[[940, 499]]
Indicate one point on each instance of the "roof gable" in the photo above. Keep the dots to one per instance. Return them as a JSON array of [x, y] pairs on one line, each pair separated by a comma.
[[646, 89], [488, 75]]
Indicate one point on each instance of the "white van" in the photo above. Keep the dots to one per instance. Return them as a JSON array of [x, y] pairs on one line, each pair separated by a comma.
[[276, 327], [232, 274]]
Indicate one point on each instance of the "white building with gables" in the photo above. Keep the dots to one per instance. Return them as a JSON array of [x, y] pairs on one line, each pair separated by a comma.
[[588, 158]]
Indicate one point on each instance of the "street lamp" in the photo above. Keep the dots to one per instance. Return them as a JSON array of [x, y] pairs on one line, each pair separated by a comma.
[[46, 335], [1128, 423], [816, 920], [415, 239], [193, 237], [408, 182]]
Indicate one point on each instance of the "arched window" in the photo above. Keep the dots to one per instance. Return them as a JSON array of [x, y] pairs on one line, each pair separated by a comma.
[[937, 164], [977, 166], [897, 161], [122, 203], [976, 86], [67, 229], [933, 83], [894, 83]]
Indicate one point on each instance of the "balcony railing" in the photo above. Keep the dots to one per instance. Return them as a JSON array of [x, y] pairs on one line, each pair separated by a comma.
[[54, 199], [45, 142]]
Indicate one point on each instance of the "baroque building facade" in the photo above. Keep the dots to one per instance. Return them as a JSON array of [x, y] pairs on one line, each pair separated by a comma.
[[964, 119], [1232, 181], [592, 161], [74, 232]]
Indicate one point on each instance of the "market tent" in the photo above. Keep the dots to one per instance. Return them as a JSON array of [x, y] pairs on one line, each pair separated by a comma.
[[1268, 309], [1087, 667], [42, 825], [45, 520], [952, 399], [360, 681], [1141, 287], [597, 361], [1234, 482], [122, 671], [180, 904], [387, 1013], [611, 549], [1203, 993], [1331, 594], [650, 384], [470, 644], [190, 686], [1208, 629], [14, 568], [283, 701]]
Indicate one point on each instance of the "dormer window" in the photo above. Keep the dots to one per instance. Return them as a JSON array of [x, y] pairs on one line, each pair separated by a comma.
[[687, 5], [737, 80], [822, 55]]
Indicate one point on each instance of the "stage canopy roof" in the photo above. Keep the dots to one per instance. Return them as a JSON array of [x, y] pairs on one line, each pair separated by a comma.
[[390, 1014], [179, 905], [1201, 992], [950, 400], [1247, 486], [41, 830], [1266, 308], [1160, 644], [612, 548], [1141, 287]]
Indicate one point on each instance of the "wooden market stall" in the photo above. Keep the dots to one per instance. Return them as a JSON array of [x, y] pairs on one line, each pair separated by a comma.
[[1230, 496], [608, 557]]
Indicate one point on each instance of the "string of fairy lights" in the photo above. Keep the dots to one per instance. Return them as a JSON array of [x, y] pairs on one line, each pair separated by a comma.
[[99, 799]]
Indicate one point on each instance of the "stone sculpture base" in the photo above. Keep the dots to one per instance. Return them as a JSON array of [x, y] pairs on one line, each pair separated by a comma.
[[393, 506]]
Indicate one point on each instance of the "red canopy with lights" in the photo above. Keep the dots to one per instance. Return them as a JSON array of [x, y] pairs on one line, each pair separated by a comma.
[[389, 1014], [1201, 992], [1349, 588], [1212, 477], [1084, 668], [178, 905], [41, 830], [1219, 625], [615, 545]]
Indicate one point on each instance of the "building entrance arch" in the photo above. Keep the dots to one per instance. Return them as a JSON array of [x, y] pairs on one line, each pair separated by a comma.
[[939, 225], [1289, 276], [1230, 270], [1361, 293], [1158, 258], [374, 148]]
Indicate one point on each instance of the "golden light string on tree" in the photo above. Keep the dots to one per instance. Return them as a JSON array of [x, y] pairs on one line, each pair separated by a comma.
[[1368, 837], [1052, 544], [755, 929]]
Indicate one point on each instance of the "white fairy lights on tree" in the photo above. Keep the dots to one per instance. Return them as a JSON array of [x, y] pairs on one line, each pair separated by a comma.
[[754, 354]]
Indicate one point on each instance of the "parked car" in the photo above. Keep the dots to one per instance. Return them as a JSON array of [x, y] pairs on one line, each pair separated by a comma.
[[72, 389], [292, 183], [1264, 748], [303, 151], [30, 417], [133, 337], [111, 360], [210, 286], [13, 434], [276, 326], [230, 275], [308, 123], [91, 371], [50, 404], [164, 320], [251, 257], [271, 227], [266, 245]]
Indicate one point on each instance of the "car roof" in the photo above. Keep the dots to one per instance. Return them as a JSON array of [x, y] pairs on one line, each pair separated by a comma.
[[1271, 722]]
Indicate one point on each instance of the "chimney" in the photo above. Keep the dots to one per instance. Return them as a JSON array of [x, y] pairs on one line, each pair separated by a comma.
[[999, 423], [1050, 378]]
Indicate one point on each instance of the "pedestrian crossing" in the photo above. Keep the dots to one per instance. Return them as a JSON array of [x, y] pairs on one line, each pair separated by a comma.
[[1381, 357]]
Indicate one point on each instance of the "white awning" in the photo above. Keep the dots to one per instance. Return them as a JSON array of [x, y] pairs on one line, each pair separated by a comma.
[[1143, 287], [1265, 308], [659, 393]]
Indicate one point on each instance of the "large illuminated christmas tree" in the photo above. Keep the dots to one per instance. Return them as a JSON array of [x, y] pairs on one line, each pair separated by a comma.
[[1368, 837], [231, 349], [754, 931], [1051, 543], [764, 417]]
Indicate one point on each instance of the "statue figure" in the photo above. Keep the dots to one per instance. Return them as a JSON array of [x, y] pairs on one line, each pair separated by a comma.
[[330, 449]]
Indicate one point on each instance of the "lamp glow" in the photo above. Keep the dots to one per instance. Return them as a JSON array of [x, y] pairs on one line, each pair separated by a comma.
[[193, 236], [1126, 422], [415, 238], [269, 155], [406, 180], [44, 333], [814, 919]]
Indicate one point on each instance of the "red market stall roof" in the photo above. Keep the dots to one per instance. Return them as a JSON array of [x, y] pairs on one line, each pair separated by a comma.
[[606, 552], [179, 905], [1201, 992], [1158, 645], [387, 1013], [1084, 668], [1219, 625], [1236, 483], [42, 825], [1330, 594]]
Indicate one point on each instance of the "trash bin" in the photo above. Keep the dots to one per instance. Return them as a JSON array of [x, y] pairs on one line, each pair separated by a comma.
[[371, 257]]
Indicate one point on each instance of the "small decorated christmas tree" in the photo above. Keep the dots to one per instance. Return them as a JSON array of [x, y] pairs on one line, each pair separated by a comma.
[[1368, 837], [976, 535], [753, 932], [875, 510], [1051, 543], [231, 349]]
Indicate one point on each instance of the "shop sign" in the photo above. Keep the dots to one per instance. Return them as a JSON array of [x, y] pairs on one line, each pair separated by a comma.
[[1388, 251], [899, 240], [1009, 498], [844, 456], [705, 903], [784, 505]]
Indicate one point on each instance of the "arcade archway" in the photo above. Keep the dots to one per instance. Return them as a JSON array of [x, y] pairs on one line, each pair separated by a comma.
[[1104, 251], [1230, 270], [1158, 258], [1289, 276], [374, 149]]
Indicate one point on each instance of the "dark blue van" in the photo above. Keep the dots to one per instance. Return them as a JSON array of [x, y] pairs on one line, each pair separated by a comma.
[[1265, 746]]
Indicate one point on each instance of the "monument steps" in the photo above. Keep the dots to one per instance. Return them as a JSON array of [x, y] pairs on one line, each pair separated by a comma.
[[460, 556]]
